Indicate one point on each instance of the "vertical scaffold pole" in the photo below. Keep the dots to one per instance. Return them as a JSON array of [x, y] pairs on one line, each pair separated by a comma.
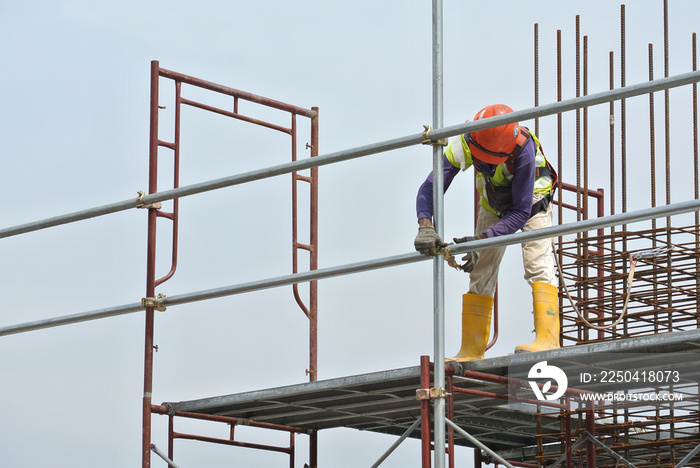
[[438, 264], [150, 270], [313, 286]]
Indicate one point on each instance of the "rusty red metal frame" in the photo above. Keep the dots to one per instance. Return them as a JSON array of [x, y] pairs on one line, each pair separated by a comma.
[[231, 441], [425, 412], [512, 384], [155, 212], [599, 196]]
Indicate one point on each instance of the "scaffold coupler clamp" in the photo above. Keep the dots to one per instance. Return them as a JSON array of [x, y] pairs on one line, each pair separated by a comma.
[[431, 393], [141, 204], [154, 302], [427, 139], [457, 367], [171, 410]]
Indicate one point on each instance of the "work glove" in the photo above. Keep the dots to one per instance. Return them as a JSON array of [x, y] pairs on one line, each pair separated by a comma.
[[470, 260], [427, 241]]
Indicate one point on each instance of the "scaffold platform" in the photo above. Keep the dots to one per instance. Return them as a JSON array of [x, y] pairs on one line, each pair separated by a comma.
[[386, 401]]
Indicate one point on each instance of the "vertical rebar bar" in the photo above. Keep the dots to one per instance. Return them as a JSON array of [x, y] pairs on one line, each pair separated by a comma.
[[590, 427], [560, 166], [451, 417], [539, 436], [580, 288], [584, 169], [623, 145], [667, 128], [623, 115], [612, 138], [627, 440], [585, 131], [438, 263], [537, 76], [613, 243], [600, 211], [696, 181], [567, 432], [652, 139], [652, 170], [578, 123]]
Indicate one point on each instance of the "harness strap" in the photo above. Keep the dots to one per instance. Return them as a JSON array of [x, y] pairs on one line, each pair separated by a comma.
[[510, 162], [541, 205]]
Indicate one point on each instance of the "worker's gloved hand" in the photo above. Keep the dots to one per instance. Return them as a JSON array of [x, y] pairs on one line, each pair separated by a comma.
[[470, 260], [462, 240], [427, 241]]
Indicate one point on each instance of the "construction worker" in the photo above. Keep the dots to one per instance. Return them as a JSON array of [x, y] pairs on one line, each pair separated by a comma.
[[516, 184]]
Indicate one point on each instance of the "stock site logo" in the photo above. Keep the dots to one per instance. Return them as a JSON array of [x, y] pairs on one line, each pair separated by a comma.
[[542, 370]]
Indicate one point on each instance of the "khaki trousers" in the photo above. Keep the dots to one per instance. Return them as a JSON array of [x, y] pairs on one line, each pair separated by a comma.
[[537, 255]]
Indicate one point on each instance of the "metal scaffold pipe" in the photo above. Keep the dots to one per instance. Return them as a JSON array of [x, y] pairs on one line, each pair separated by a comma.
[[358, 152], [386, 262], [438, 264]]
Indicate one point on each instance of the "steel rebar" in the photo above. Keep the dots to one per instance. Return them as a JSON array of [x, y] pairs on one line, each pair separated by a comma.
[[612, 160], [578, 120], [358, 152], [623, 113], [696, 178], [536, 67], [623, 133], [667, 140], [652, 139]]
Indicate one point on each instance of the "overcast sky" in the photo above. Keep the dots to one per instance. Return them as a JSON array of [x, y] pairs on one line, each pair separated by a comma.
[[74, 135]]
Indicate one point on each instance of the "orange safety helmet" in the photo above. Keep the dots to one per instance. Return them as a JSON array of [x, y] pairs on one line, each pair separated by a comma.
[[495, 145]]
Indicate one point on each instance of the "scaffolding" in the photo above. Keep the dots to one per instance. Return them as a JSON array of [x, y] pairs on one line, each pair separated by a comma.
[[661, 314]]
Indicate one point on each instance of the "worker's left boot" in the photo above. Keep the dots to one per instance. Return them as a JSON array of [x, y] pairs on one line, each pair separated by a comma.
[[545, 302]]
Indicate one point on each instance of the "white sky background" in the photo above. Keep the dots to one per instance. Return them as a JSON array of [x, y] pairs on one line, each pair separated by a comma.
[[74, 132]]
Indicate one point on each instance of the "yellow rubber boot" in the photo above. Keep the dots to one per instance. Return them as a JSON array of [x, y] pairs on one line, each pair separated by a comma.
[[545, 301], [476, 326]]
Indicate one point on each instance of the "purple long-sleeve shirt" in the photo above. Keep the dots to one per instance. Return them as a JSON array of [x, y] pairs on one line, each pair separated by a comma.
[[522, 189]]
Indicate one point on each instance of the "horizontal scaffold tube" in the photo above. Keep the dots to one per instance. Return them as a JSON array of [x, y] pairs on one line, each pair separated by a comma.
[[517, 238], [361, 151]]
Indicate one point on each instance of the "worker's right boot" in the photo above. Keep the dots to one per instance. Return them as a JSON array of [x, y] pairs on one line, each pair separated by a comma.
[[476, 326]]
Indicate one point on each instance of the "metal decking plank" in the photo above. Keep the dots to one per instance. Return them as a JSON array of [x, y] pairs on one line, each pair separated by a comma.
[[385, 402], [208, 405]]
